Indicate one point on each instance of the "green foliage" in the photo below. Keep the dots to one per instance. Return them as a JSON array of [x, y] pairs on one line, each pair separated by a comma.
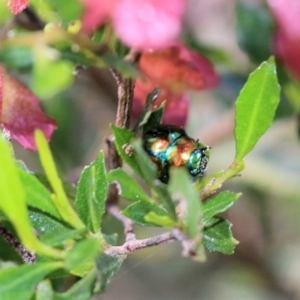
[[153, 119], [59, 198], [139, 212], [107, 266], [19, 282], [256, 43], [218, 236], [91, 193], [65, 229], [128, 188], [82, 255], [37, 195], [50, 76], [218, 204], [255, 107], [81, 290], [123, 138], [16, 57], [184, 193]]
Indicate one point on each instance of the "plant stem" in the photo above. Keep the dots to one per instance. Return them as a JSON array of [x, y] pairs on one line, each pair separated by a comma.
[[133, 245], [125, 99], [29, 257], [127, 223]]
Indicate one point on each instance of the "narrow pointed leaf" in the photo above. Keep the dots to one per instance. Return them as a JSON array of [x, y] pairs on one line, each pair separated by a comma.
[[19, 282], [123, 138], [37, 195], [138, 210], [183, 191], [12, 195], [218, 237], [255, 107], [81, 290], [60, 199], [218, 204], [148, 170], [128, 188], [59, 237], [44, 291], [91, 193], [154, 118], [83, 255], [107, 266]]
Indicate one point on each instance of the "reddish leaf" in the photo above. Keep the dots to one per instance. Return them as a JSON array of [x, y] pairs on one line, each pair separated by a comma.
[[21, 112], [17, 6]]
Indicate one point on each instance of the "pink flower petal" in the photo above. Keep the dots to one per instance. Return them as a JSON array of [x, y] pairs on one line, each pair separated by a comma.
[[287, 16], [148, 24], [21, 112], [17, 6], [287, 37], [178, 68], [96, 11]]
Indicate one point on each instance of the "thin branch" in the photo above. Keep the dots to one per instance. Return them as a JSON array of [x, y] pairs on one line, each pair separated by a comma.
[[127, 223], [133, 245], [125, 99], [29, 257]]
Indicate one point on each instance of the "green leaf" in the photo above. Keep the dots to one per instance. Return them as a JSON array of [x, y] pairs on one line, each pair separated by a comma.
[[81, 290], [128, 188], [59, 237], [107, 266], [154, 118], [16, 57], [12, 195], [19, 282], [138, 210], [44, 291], [249, 18], [37, 195], [255, 107], [218, 204], [60, 199], [45, 224], [50, 76], [146, 111], [123, 138], [5, 13], [162, 195], [218, 237], [91, 193], [159, 220], [67, 11], [81, 257], [124, 67], [183, 191], [148, 168]]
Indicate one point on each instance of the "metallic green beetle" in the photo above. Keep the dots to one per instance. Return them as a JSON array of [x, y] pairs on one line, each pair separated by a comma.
[[169, 145]]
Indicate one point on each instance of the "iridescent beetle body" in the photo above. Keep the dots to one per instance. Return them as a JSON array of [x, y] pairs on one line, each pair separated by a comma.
[[169, 145]]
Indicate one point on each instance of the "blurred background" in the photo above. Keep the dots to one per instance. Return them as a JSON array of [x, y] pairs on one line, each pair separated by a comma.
[[266, 219]]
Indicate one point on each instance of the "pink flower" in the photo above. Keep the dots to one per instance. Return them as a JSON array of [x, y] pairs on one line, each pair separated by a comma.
[[21, 112], [287, 36], [141, 24], [174, 70], [17, 6]]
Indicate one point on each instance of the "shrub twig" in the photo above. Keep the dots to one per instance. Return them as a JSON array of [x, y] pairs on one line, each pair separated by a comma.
[[29, 257]]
